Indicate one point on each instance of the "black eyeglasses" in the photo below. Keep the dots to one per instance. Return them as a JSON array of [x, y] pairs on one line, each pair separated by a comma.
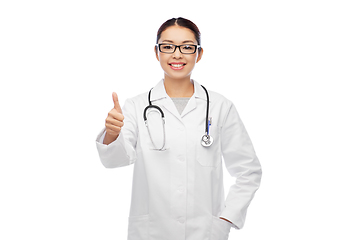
[[171, 48]]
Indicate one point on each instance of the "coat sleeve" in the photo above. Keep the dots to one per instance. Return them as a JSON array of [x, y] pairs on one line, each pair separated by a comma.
[[242, 163], [120, 152]]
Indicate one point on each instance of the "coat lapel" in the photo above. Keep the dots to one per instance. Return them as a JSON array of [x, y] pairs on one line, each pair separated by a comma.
[[160, 98], [199, 95]]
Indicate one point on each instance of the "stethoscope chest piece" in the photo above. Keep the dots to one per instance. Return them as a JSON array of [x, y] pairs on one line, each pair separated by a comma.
[[206, 140]]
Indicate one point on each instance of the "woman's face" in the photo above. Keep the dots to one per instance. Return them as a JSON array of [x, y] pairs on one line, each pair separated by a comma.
[[178, 35]]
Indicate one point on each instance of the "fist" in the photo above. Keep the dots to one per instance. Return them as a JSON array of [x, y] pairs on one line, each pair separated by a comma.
[[115, 119]]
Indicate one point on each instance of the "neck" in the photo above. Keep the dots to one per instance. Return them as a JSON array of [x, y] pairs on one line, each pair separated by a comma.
[[178, 87]]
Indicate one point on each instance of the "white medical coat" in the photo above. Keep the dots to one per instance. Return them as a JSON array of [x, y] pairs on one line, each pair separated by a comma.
[[178, 193]]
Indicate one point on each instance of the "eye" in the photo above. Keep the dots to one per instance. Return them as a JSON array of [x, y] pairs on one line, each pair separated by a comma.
[[189, 47], [168, 46]]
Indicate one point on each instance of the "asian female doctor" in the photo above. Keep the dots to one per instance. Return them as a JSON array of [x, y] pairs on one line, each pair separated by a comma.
[[176, 135]]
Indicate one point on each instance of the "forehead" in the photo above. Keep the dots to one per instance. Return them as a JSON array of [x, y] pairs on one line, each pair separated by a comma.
[[177, 35]]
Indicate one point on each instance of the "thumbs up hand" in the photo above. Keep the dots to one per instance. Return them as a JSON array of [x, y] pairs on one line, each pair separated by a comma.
[[114, 121]]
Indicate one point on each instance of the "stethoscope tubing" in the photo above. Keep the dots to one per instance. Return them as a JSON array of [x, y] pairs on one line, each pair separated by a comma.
[[204, 143], [153, 106], [207, 111], [162, 113]]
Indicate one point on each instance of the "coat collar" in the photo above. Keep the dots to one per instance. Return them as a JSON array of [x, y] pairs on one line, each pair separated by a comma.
[[160, 97], [159, 92]]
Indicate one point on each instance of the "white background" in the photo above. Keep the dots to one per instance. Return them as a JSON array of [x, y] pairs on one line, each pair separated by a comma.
[[290, 67]]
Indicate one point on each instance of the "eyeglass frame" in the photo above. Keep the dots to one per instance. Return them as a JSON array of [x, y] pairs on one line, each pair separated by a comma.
[[178, 46]]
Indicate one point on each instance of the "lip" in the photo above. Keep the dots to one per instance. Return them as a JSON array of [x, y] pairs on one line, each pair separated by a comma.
[[177, 68]]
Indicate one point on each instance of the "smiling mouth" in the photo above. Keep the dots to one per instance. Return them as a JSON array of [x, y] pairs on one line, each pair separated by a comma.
[[177, 65]]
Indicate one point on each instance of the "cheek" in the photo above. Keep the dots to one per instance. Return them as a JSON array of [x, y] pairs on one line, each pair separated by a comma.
[[192, 59], [164, 64], [192, 62], [163, 60]]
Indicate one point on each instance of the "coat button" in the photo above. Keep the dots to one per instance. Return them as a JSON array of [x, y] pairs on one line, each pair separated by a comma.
[[181, 220]]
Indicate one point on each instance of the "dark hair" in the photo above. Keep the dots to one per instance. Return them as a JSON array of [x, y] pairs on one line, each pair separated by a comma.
[[182, 22]]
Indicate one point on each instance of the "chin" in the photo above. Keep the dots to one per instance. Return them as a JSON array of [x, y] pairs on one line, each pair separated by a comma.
[[178, 77]]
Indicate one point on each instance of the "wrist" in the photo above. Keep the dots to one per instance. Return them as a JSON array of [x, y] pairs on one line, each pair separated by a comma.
[[109, 138]]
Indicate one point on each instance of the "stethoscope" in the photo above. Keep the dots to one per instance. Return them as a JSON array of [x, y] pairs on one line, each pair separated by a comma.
[[206, 139]]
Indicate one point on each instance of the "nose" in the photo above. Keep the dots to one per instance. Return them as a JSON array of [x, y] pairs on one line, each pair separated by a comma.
[[177, 52]]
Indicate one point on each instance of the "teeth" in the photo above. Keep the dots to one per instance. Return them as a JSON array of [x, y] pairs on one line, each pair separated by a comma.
[[177, 65]]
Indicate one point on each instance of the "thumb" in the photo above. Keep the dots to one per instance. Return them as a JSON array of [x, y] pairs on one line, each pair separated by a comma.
[[116, 102]]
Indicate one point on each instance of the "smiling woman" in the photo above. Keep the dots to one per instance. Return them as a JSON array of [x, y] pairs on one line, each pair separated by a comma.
[[177, 182], [178, 65]]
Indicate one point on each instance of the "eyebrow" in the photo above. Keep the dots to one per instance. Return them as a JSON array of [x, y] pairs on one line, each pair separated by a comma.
[[186, 41]]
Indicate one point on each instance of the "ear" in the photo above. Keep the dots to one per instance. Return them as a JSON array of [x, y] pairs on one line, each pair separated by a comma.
[[156, 53], [200, 55]]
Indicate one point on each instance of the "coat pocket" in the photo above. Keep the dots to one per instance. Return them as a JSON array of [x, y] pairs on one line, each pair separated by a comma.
[[208, 156], [220, 229], [138, 227]]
